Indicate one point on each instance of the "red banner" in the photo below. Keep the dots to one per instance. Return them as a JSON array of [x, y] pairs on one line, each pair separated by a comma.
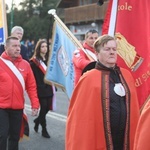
[[133, 36]]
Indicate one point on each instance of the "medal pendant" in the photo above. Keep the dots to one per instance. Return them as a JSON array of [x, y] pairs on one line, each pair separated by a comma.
[[119, 89]]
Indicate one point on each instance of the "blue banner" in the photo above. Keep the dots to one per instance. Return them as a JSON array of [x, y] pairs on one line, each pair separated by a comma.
[[60, 70]]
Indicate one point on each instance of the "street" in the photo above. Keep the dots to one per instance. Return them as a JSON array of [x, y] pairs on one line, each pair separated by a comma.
[[56, 123]]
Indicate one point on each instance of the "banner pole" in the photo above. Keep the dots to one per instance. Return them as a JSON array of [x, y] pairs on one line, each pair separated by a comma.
[[113, 17], [68, 32]]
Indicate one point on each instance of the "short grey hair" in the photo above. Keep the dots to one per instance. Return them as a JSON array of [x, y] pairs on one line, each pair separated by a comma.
[[17, 28]]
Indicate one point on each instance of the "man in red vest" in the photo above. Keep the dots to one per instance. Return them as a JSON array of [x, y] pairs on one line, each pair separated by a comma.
[[82, 57]]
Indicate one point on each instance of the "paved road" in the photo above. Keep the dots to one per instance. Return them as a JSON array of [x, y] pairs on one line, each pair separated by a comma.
[[56, 123]]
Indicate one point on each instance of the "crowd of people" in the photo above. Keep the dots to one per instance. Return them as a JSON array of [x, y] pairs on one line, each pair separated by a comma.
[[103, 112]]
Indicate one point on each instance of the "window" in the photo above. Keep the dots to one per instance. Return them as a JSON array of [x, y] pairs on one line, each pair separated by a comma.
[[85, 2]]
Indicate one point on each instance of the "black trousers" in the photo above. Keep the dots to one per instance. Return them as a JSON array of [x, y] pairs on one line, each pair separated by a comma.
[[44, 108], [10, 125]]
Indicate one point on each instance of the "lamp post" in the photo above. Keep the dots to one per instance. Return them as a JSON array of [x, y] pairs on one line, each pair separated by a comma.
[[12, 15]]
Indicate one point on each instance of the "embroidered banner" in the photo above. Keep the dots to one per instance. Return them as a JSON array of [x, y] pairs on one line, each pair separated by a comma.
[[133, 35], [60, 70]]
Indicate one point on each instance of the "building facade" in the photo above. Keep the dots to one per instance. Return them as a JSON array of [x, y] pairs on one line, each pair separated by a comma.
[[82, 15]]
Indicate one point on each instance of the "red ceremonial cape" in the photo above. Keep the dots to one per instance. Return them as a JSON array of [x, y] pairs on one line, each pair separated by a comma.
[[85, 122], [142, 136]]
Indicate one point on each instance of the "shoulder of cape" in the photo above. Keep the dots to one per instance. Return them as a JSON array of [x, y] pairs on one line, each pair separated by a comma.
[[89, 67], [90, 73], [123, 70]]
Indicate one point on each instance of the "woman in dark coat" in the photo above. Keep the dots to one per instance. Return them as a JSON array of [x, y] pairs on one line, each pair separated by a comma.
[[45, 93]]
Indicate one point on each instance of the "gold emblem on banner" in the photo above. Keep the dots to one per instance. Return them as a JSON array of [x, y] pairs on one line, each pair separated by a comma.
[[128, 53]]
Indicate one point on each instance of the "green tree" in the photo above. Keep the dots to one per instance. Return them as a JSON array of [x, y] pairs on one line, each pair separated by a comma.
[[34, 18]]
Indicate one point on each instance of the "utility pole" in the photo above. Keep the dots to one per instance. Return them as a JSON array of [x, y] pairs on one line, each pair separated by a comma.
[[12, 15]]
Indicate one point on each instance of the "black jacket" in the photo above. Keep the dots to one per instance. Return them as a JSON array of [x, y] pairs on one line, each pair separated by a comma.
[[43, 89], [118, 112]]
